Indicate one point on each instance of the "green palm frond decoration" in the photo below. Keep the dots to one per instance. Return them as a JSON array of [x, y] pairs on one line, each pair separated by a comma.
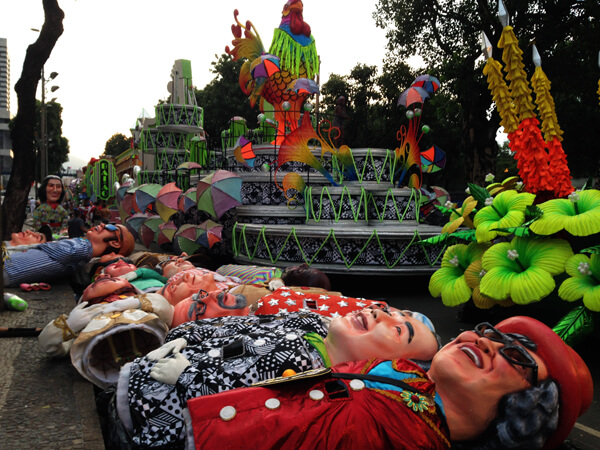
[[479, 194], [521, 231], [575, 326], [450, 238], [595, 249]]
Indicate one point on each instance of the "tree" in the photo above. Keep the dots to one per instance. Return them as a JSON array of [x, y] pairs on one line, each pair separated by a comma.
[[223, 99], [117, 144], [446, 35], [22, 135]]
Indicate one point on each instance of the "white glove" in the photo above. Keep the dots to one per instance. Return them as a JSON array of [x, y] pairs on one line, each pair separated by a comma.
[[82, 314], [168, 370], [275, 283], [122, 305], [174, 346], [129, 276]]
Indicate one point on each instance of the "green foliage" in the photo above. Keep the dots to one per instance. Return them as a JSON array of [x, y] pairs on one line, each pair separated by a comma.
[[117, 144], [223, 99], [446, 35], [575, 326], [479, 194], [450, 238]]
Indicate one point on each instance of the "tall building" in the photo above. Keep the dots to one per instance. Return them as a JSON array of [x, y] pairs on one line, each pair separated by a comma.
[[5, 141]]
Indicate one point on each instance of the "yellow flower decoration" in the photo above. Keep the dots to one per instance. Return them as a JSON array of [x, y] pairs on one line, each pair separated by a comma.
[[507, 210], [461, 217], [579, 214], [473, 276]]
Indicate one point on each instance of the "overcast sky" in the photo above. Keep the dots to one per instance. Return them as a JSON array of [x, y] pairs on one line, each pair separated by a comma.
[[115, 57]]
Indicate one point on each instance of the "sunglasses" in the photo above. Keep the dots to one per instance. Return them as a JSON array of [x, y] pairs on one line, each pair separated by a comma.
[[118, 233], [515, 354]]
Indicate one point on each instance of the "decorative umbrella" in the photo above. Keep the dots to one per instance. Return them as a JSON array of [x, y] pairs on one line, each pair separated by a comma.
[[304, 86], [209, 233], [184, 239], [167, 201], [412, 95], [189, 165], [149, 230], [264, 66], [243, 152], [433, 159], [134, 222], [145, 196], [187, 200], [219, 192], [166, 232], [428, 82], [441, 194]]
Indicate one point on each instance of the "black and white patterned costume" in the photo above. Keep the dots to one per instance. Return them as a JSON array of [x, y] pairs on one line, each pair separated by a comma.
[[225, 353]]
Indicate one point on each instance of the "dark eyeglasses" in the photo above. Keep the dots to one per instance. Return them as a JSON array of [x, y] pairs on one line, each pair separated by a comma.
[[198, 306], [118, 233], [515, 354]]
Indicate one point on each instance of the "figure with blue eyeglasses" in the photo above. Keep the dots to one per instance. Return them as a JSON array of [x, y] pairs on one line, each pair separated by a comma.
[[53, 260]]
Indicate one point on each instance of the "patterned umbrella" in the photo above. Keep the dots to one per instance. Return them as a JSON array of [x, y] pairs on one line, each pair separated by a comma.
[[304, 86], [145, 196], [219, 192], [167, 201], [264, 66], [433, 159], [134, 222], [149, 230], [243, 152], [166, 232], [412, 95], [187, 200], [185, 239], [209, 233], [428, 82]]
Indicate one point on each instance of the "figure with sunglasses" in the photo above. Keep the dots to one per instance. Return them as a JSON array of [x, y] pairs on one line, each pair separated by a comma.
[[515, 385], [214, 355], [53, 260]]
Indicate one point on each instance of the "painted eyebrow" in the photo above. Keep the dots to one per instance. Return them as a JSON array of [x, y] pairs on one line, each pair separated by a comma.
[[411, 331]]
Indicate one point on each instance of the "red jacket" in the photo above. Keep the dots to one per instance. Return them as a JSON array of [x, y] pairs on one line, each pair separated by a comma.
[[320, 413]]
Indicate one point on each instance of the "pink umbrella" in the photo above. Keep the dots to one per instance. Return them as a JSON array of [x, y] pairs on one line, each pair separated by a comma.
[[209, 233], [166, 232], [167, 201], [149, 230], [187, 200], [412, 95], [219, 192]]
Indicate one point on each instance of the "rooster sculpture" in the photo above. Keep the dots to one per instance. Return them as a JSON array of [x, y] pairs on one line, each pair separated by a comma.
[[283, 77]]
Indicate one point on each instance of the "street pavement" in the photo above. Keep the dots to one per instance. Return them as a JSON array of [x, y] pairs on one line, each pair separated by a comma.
[[46, 404]]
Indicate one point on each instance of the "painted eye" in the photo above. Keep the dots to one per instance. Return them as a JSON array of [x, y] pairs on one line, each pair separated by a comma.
[[399, 330]]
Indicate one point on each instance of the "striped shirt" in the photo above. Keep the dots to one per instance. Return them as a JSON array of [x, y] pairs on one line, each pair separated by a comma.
[[47, 261], [249, 274]]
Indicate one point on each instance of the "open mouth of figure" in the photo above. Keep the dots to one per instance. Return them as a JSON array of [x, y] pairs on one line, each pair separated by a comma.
[[473, 355]]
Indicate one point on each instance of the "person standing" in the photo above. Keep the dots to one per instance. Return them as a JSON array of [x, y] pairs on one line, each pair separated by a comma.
[[31, 204], [50, 212], [76, 225]]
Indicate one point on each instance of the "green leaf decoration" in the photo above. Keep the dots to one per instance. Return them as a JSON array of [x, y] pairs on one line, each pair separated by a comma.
[[450, 239], [444, 210], [575, 326], [589, 184], [595, 249], [532, 212], [479, 194], [522, 231]]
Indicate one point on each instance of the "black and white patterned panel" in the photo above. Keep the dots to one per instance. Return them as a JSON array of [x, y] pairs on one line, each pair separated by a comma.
[[376, 167], [327, 207], [392, 252], [264, 193], [388, 208]]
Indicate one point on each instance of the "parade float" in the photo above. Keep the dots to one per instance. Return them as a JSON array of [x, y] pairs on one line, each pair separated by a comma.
[[530, 237], [284, 193]]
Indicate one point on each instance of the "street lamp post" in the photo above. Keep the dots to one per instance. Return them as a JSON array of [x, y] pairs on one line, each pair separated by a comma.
[[44, 124]]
